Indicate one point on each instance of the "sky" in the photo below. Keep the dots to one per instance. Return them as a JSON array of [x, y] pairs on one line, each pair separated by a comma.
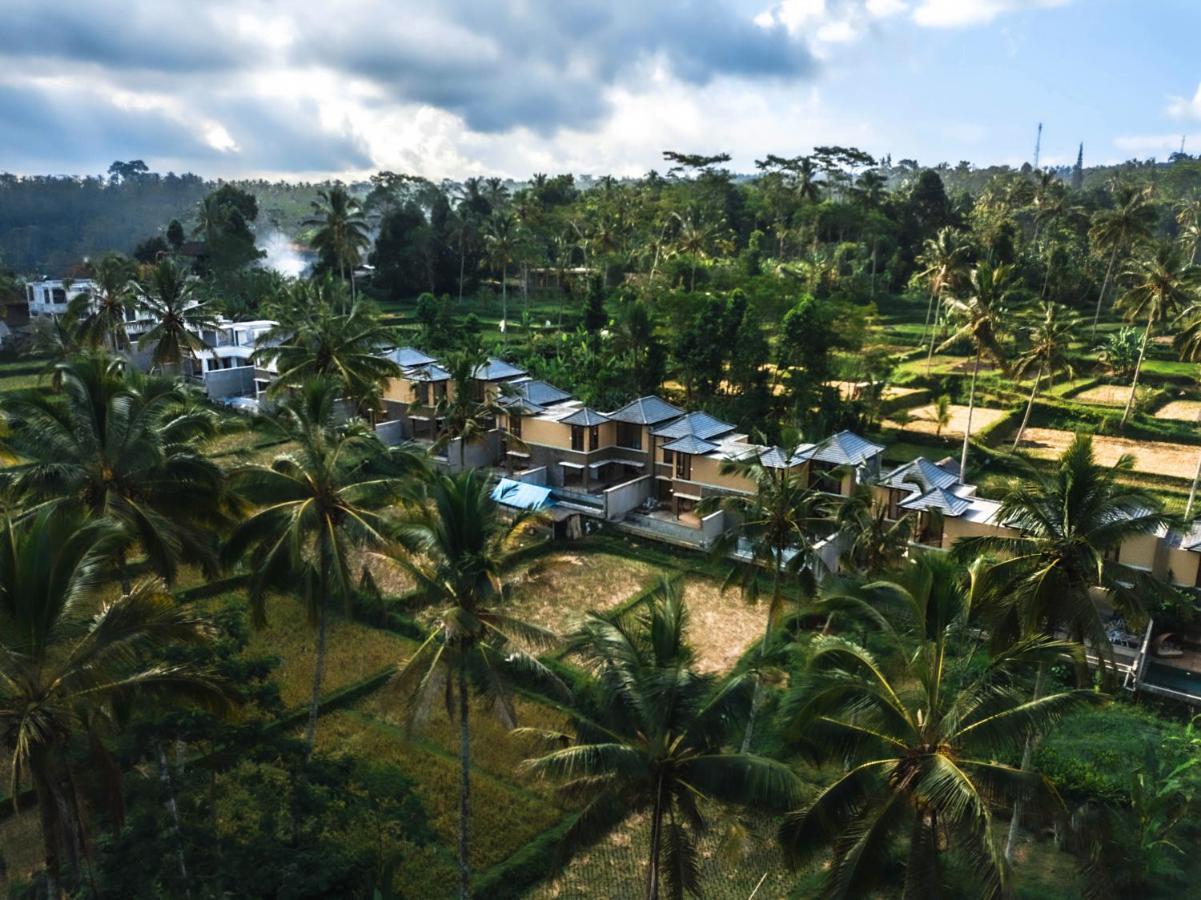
[[453, 88]]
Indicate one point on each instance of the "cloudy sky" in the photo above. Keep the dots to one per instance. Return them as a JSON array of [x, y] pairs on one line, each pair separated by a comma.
[[449, 88]]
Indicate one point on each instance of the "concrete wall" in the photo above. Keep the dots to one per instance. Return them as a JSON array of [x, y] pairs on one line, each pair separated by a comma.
[[623, 498], [392, 432], [530, 476], [476, 455], [713, 526], [222, 383]]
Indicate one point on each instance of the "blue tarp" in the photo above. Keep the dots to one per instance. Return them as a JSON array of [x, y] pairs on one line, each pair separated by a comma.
[[520, 495]]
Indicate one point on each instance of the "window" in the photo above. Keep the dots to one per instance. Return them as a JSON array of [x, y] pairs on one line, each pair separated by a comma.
[[577, 438], [515, 425], [667, 456], [629, 435], [895, 496], [594, 437], [421, 393], [440, 392], [477, 391], [684, 466], [1113, 554], [59, 295]]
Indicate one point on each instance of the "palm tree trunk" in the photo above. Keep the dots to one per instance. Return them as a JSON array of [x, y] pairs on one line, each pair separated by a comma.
[[1029, 406], [652, 870], [1104, 285], [929, 312], [1138, 367], [934, 330], [310, 730], [51, 835], [464, 781], [1192, 494], [462, 266], [1027, 751], [164, 775], [504, 301], [967, 430], [757, 696]]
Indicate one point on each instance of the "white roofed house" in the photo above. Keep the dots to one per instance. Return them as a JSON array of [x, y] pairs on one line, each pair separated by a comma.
[[228, 369], [52, 296]]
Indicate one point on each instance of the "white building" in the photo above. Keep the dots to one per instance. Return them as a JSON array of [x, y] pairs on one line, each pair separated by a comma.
[[228, 368], [51, 297]]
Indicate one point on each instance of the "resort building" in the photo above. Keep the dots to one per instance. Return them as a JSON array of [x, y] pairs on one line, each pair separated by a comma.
[[228, 368]]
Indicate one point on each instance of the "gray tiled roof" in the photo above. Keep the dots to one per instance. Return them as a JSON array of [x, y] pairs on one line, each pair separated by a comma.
[[428, 373], [939, 498], [520, 406], [700, 424], [773, 457], [407, 357], [921, 474], [691, 444], [539, 392], [646, 411], [496, 369], [845, 449], [584, 416]]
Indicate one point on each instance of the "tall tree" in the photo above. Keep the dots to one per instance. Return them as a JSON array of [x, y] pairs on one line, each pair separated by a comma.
[[74, 660], [311, 508], [981, 317], [1051, 337], [167, 295], [341, 233], [502, 238], [455, 541], [1118, 230], [920, 732], [944, 264], [101, 313], [1163, 286], [657, 742]]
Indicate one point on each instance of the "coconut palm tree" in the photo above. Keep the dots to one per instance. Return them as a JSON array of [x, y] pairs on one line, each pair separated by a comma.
[[920, 731], [944, 263], [657, 742], [1069, 526], [466, 416], [312, 508], [778, 524], [981, 317], [453, 541], [1051, 337], [1118, 230], [942, 413], [72, 659], [342, 232], [502, 239], [1163, 286], [321, 339], [1188, 217], [874, 544], [167, 297], [118, 446], [100, 314]]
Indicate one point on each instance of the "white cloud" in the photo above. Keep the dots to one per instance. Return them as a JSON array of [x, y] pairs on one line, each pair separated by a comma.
[[964, 13], [1186, 107], [1158, 145]]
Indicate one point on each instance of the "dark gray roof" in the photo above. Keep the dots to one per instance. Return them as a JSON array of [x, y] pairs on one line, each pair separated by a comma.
[[519, 406], [845, 449], [939, 498], [407, 357], [427, 373], [495, 370], [774, 458], [584, 416], [920, 474], [691, 444], [540, 392], [646, 411], [700, 424]]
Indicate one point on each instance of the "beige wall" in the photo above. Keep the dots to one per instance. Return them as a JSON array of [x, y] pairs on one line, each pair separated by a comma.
[[1139, 551], [1182, 565], [402, 390], [548, 433], [957, 529]]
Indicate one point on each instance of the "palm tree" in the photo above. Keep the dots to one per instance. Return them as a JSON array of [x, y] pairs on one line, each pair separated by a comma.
[[455, 542], [1164, 285], [72, 659], [1188, 217], [656, 743], [342, 231], [465, 416], [118, 446], [981, 316], [1051, 338], [777, 524], [920, 732], [312, 506], [942, 413], [100, 315], [502, 239], [1131, 221], [1069, 527], [318, 340], [180, 319], [696, 238], [944, 262], [874, 544]]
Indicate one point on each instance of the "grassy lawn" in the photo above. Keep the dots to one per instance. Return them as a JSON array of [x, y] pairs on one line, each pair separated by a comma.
[[353, 651]]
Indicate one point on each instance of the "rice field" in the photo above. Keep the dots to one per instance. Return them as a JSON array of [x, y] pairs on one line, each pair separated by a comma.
[[1109, 395], [922, 420], [721, 625], [1180, 411], [1152, 457]]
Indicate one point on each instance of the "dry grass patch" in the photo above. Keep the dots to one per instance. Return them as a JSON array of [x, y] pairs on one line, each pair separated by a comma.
[[923, 420], [1180, 410], [1153, 457], [556, 590], [722, 625], [352, 652], [1109, 395]]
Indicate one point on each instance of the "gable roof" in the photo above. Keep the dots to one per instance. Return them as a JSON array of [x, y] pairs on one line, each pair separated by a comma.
[[407, 357], [700, 424], [519, 405], [773, 457], [845, 449], [921, 475], [584, 416], [540, 392], [432, 372], [646, 411], [690, 444], [496, 369], [939, 498]]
